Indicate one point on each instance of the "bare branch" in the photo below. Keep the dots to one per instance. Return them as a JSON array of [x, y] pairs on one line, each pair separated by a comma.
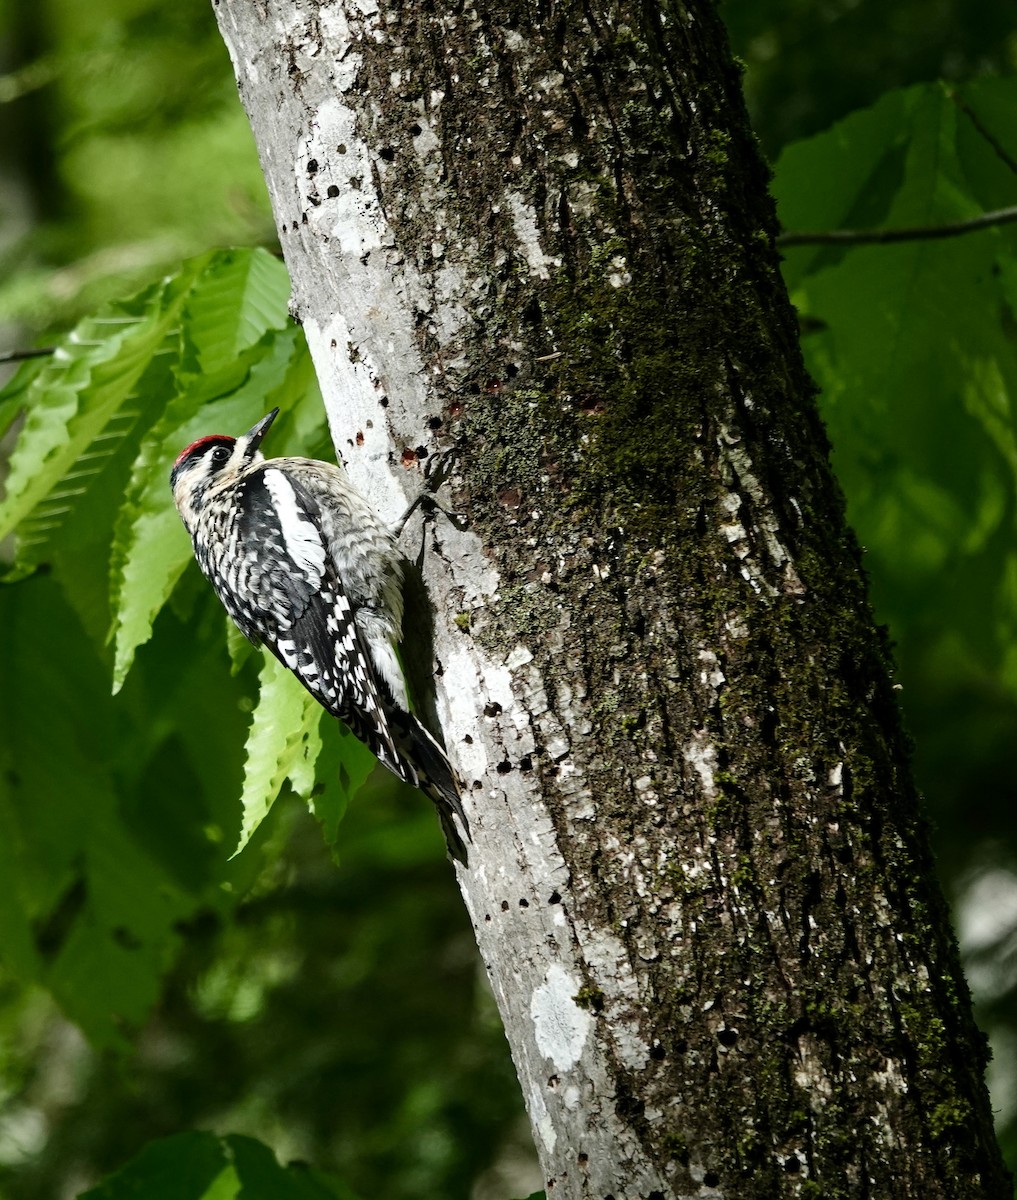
[[863, 237]]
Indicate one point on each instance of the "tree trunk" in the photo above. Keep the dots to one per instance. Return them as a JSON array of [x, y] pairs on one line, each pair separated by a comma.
[[700, 880]]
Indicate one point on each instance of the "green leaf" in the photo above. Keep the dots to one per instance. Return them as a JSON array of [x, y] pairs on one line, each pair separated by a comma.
[[809, 180], [202, 1166], [16, 934], [240, 297], [78, 406], [237, 646], [262, 1178], [150, 548], [288, 739], [342, 768], [12, 395], [91, 903], [186, 1166], [282, 742]]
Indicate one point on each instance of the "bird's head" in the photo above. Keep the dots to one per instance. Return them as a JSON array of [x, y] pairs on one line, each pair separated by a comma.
[[210, 460]]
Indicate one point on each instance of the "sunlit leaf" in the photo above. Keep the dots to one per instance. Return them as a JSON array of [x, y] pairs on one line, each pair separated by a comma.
[[242, 296], [290, 738], [78, 407], [151, 548], [282, 742]]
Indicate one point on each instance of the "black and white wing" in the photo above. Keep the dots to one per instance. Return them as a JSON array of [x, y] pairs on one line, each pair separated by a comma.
[[282, 589]]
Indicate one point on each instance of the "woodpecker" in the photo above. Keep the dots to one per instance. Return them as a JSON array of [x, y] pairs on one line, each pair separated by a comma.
[[304, 566]]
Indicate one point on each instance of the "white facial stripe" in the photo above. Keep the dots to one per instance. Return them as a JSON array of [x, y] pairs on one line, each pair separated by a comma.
[[300, 537]]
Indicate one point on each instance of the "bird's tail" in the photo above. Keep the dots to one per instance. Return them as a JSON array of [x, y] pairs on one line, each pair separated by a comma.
[[426, 765]]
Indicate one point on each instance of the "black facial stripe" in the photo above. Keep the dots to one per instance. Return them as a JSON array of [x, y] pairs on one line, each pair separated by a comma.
[[205, 449]]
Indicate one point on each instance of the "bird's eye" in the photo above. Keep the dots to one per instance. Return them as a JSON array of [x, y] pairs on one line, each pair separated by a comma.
[[220, 455]]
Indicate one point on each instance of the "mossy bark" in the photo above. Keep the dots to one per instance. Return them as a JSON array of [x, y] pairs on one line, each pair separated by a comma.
[[540, 234]]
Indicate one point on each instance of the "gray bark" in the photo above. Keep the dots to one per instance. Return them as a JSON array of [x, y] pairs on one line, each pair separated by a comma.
[[699, 878]]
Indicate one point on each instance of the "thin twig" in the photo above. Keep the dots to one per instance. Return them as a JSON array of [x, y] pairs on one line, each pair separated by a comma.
[[861, 237], [18, 355]]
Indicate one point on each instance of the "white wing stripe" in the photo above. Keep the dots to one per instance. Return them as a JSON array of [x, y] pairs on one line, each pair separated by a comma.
[[301, 538]]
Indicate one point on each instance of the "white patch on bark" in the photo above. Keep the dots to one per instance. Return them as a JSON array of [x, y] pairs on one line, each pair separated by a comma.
[[519, 657], [711, 674], [560, 1026], [524, 222], [541, 1121], [702, 755], [612, 973]]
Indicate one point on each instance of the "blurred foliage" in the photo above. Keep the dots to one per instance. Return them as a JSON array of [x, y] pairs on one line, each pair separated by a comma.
[[337, 1015], [125, 150], [340, 1016], [201, 1166], [809, 64]]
